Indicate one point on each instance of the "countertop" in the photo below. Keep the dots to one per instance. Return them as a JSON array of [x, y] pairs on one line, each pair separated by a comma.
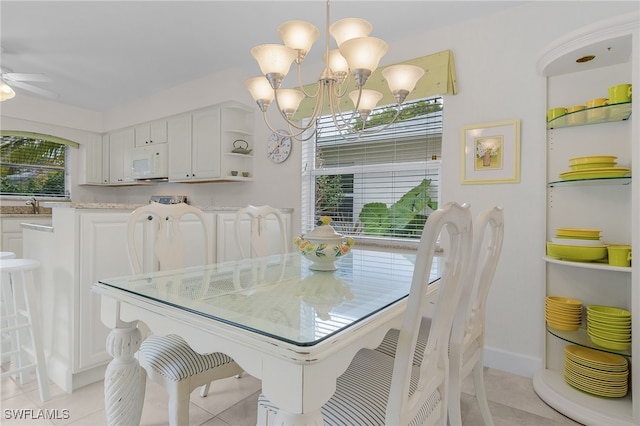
[[125, 206]]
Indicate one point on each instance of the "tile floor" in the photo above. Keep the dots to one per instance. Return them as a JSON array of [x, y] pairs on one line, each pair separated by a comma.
[[233, 402]]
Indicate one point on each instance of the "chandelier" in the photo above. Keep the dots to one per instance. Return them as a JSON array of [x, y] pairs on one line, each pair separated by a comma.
[[357, 53]]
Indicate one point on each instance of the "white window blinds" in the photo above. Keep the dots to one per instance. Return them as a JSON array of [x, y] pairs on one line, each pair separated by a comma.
[[381, 186]]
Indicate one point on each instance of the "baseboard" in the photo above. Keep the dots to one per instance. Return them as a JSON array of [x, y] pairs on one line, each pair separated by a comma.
[[511, 362]]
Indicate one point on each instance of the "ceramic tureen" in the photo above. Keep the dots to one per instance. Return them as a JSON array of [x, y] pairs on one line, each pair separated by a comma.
[[323, 245]]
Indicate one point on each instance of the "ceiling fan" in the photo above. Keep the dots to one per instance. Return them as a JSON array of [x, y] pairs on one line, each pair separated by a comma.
[[19, 80]]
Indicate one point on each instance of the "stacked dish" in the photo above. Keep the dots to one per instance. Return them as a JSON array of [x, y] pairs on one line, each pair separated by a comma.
[[563, 313], [577, 244], [595, 372], [609, 327], [593, 167]]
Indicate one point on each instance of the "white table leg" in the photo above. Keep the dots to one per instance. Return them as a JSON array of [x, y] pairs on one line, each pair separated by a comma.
[[124, 382]]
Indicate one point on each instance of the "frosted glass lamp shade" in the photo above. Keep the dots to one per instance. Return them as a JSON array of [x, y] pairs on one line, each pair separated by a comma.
[[368, 100], [363, 53], [289, 100], [402, 79], [260, 90], [298, 35], [274, 59], [337, 64], [6, 92], [346, 29]]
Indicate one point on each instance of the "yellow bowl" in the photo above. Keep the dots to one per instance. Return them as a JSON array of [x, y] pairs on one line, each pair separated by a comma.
[[608, 311], [587, 166], [563, 326], [576, 253], [609, 344], [557, 300], [592, 159]]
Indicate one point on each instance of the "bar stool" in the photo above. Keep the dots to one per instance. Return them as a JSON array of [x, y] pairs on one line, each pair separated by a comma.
[[7, 340], [22, 316]]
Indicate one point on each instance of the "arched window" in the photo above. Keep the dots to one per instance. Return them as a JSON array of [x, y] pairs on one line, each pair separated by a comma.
[[33, 164]]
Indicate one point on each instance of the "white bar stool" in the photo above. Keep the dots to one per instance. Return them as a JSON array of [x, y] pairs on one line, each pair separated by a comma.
[[17, 276], [7, 340]]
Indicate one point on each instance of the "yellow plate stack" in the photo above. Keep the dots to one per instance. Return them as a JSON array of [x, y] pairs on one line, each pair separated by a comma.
[[596, 372], [563, 313], [609, 327], [594, 167]]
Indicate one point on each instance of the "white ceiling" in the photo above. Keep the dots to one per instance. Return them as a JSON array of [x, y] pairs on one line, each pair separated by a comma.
[[101, 54]]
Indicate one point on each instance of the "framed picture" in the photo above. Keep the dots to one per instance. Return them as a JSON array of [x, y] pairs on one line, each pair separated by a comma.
[[491, 152]]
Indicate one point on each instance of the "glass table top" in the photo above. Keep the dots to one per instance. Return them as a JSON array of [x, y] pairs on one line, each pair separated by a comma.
[[279, 296]]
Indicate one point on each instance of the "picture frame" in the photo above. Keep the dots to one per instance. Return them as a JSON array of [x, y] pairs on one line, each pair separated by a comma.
[[491, 152]]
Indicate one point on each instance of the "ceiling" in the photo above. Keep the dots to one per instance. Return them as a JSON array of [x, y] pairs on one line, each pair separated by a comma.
[[101, 54]]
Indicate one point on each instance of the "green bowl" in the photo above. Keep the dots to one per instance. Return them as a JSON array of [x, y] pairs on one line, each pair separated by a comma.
[[608, 312], [576, 253]]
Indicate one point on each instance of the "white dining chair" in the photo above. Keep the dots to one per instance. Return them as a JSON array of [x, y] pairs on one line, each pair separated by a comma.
[[260, 239], [377, 389], [467, 339], [169, 360]]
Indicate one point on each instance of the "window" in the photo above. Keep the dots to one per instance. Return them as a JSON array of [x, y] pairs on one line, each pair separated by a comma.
[[382, 186], [32, 166]]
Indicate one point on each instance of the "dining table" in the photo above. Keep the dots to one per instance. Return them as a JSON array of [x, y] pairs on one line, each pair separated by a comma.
[[294, 328]]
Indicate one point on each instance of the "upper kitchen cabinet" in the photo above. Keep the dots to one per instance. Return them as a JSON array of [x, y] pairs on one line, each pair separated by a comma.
[[208, 145], [194, 146], [581, 67], [151, 133], [92, 172], [121, 145]]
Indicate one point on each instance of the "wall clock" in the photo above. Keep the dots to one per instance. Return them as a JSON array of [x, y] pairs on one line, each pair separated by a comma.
[[278, 146]]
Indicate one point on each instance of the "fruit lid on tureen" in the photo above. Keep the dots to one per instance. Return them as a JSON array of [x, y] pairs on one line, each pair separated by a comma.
[[324, 231]]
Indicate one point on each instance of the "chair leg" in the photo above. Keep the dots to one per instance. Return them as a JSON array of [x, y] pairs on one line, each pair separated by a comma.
[[204, 390], [481, 393], [179, 398]]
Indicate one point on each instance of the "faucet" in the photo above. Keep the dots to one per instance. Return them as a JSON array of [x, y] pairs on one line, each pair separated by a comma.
[[35, 205]]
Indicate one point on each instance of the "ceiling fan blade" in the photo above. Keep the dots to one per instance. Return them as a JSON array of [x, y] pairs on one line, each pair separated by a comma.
[[33, 89], [20, 76]]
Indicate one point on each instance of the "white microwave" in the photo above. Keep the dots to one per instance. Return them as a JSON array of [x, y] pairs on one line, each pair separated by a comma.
[[150, 162]]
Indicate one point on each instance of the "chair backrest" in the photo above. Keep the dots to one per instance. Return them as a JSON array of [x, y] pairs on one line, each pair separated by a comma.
[[469, 320], [403, 405], [259, 237], [169, 247]]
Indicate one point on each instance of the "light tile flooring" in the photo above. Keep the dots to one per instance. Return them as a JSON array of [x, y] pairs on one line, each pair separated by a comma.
[[233, 402]]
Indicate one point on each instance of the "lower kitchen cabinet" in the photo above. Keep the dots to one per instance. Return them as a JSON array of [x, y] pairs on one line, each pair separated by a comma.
[[11, 230]]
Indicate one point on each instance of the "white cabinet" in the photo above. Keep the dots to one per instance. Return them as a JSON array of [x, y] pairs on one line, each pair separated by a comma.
[[121, 145], [194, 146], [227, 244], [91, 171], [11, 231], [610, 205], [151, 133]]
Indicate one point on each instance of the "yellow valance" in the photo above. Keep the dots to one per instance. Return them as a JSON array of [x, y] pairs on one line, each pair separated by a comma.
[[439, 79]]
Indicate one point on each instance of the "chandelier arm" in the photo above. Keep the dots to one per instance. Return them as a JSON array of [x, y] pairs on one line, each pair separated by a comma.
[[301, 87], [385, 127], [334, 103]]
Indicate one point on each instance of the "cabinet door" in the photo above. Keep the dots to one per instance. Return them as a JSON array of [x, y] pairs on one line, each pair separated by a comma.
[[151, 133], [227, 245], [92, 167], [105, 159], [206, 144], [179, 137], [121, 145], [103, 254]]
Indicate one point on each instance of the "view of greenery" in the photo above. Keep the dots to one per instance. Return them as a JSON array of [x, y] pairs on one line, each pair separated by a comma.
[[409, 111], [31, 167]]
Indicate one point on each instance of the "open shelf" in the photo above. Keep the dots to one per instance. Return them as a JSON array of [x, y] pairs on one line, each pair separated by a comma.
[[580, 337], [595, 115], [625, 180]]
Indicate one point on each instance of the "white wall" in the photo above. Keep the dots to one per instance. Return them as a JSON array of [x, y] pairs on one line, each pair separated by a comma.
[[495, 59]]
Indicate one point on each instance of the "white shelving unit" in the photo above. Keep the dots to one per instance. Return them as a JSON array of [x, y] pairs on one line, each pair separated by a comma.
[[612, 205], [237, 123]]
